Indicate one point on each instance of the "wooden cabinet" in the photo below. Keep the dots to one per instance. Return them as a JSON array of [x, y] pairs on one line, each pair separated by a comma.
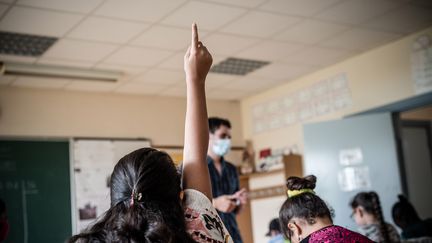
[[293, 166]]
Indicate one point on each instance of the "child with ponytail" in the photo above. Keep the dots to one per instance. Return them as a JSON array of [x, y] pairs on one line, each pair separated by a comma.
[[368, 215], [148, 203], [304, 217]]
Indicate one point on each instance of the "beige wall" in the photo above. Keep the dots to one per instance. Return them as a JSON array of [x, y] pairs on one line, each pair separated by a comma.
[[52, 113], [375, 78]]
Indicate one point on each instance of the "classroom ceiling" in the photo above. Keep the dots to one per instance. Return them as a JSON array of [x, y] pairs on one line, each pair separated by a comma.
[[146, 39]]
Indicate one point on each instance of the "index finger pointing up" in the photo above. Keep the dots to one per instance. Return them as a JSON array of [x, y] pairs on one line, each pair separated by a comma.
[[194, 35]]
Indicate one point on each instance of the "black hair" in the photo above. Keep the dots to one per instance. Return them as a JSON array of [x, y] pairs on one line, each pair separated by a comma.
[[307, 205], [145, 203], [371, 203], [404, 213], [216, 122]]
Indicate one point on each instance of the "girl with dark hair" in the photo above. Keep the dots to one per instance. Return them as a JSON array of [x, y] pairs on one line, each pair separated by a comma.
[[368, 215], [147, 200], [304, 216], [405, 216]]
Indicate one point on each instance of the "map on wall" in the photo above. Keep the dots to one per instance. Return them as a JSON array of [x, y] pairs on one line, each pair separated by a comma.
[[93, 163], [421, 64], [321, 98]]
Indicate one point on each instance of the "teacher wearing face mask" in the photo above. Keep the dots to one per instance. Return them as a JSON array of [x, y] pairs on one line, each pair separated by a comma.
[[228, 199]]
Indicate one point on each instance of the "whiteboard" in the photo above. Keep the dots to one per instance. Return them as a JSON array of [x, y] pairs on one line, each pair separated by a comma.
[[93, 161]]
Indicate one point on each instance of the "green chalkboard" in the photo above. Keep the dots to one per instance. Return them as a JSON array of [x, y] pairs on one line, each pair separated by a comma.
[[35, 184]]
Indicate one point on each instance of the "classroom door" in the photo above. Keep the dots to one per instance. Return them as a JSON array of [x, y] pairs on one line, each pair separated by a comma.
[[353, 155], [418, 165]]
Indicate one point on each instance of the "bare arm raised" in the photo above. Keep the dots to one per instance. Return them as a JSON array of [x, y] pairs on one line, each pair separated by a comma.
[[197, 62]]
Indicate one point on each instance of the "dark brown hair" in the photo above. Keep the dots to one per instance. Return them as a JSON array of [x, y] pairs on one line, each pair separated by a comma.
[[404, 213], [216, 122], [371, 204], [307, 206], [156, 215]]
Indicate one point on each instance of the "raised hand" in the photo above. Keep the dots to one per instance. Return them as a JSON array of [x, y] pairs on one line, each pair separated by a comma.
[[197, 60]]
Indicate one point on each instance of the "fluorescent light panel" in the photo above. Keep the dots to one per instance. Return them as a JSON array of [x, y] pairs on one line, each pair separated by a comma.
[[48, 71]]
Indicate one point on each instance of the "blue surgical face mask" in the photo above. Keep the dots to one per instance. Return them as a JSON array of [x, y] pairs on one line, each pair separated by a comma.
[[221, 146]]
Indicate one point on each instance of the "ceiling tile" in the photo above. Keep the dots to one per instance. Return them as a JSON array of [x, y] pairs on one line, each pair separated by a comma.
[[107, 30], [176, 91], [140, 88], [128, 70], [174, 62], [160, 76], [11, 58], [91, 86], [405, 20], [270, 50], [79, 50], [259, 24], [78, 6], [208, 16], [357, 11], [283, 71], [162, 37], [359, 39], [34, 82], [240, 3], [141, 10], [217, 79], [318, 56], [138, 56], [43, 22], [222, 44], [7, 79], [310, 31], [297, 7], [67, 63], [225, 94], [250, 84], [3, 8]]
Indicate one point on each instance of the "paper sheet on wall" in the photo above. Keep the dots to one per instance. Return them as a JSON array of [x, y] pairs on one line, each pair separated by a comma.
[[354, 178], [421, 64]]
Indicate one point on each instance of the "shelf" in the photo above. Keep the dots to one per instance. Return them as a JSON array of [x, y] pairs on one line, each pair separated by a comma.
[[261, 174]]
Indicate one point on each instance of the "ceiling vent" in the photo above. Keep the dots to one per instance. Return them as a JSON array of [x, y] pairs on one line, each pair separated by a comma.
[[237, 66], [24, 44]]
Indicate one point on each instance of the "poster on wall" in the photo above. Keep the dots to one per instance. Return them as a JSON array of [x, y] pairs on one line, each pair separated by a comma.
[[323, 97], [421, 64], [93, 163]]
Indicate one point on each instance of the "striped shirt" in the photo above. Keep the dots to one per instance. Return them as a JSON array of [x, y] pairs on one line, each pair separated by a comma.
[[226, 183], [372, 231]]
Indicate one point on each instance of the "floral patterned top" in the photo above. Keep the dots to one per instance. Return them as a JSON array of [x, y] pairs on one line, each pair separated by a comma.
[[202, 220], [335, 234]]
